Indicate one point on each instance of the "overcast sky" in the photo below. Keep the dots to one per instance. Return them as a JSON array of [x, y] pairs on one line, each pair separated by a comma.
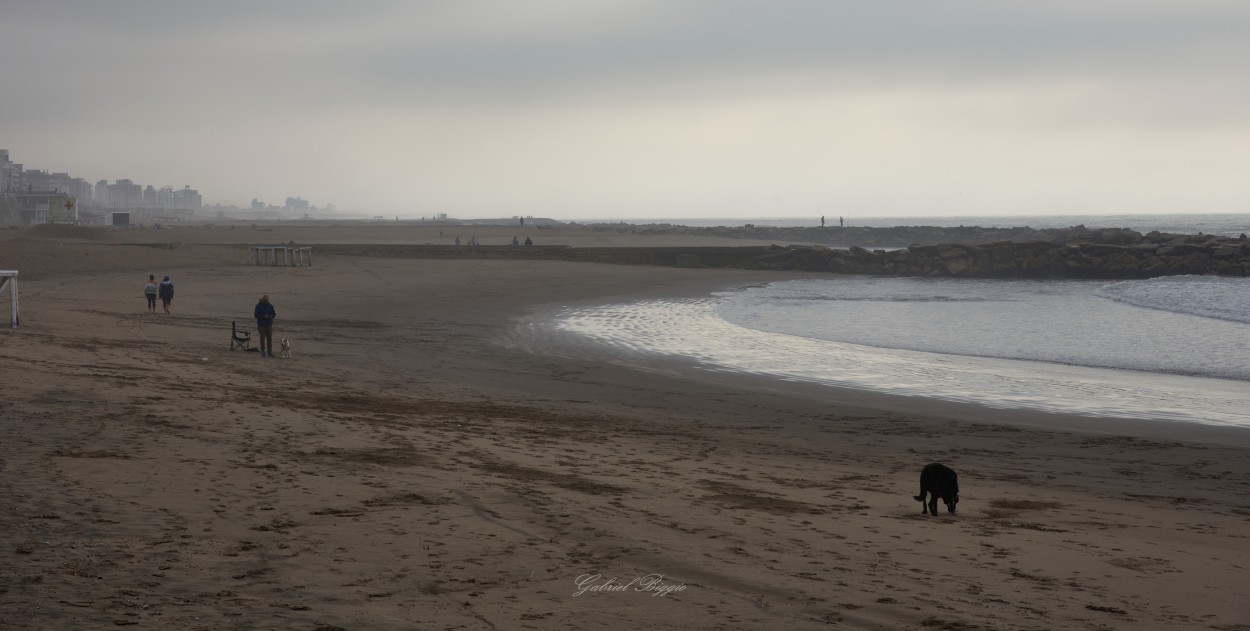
[[664, 108]]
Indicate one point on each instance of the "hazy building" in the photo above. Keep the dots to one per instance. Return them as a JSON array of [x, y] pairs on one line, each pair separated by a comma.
[[36, 181], [44, 195], [296, 204], [44, 206], [79, 189], [103, 198], [124, 194], [10, 174], [185, 198]]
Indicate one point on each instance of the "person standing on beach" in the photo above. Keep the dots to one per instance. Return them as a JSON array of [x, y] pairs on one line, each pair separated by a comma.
[[166, 292], [265, 314], [149, 290]]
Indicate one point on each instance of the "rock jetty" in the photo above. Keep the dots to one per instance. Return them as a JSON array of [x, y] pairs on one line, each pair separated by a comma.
[[978, 252], [1074, 252], [891, 237], [1149, 256]]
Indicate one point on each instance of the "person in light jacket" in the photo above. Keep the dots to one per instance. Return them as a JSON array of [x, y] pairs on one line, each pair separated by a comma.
[[149, 291]]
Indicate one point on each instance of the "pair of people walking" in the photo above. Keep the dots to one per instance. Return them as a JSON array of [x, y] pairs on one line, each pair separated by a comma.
[[164, 291], [264, 312]]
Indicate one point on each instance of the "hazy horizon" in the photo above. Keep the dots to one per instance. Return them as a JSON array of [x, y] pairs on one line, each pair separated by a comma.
[[643, 109]]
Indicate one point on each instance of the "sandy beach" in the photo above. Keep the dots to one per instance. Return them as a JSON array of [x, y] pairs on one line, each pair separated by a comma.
[[422, 462]]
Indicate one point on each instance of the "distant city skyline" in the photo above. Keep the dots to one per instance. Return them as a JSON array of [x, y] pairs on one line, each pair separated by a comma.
[[27, 188], [642, 108], [18, 177]]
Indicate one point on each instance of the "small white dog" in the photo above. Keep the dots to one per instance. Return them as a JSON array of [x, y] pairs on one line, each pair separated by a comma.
[[286, 348]]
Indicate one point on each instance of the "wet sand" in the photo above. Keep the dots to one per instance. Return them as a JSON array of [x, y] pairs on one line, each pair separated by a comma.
[[423, 462]]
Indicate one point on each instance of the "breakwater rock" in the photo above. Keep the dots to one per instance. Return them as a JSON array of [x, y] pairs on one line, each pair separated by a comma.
[[1040, 259], [1125, 256], [891, 237]]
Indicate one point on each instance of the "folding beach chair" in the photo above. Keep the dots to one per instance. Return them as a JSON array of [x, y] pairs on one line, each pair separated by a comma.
[[239, 339]]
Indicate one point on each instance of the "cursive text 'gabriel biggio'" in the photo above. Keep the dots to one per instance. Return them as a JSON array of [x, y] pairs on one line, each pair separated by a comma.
[[651, 583]]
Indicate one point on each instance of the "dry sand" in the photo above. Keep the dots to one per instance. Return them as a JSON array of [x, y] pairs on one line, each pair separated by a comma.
[[421, 463]]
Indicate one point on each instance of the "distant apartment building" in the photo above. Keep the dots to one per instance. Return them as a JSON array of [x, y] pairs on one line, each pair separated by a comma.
[[36, 181], [102, 198], [185, 198], [10, 173], [123, 194], [78, 188]]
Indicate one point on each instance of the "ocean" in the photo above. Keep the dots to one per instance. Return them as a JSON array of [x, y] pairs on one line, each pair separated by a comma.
[[1173, 348]]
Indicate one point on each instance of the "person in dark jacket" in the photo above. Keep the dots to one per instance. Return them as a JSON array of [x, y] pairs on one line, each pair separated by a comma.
[[166, 291], [265, 314]]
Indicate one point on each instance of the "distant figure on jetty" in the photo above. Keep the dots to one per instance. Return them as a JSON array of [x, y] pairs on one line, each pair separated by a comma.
[[514, 240], [265, 314], [822, 221], [529, 241], [522, 221], [149, 290], [166, 292], [841, 222]]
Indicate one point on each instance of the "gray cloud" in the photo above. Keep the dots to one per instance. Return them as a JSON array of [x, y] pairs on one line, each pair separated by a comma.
[[440, 87]]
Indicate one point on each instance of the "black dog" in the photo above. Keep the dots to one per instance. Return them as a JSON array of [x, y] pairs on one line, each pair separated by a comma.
[[939, 482]]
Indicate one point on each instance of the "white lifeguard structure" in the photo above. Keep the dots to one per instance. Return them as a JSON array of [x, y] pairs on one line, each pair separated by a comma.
[[282, 256], [8, 280]]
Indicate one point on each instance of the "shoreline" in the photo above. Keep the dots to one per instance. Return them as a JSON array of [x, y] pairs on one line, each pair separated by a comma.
[[686, 330], [867, 400], [406, 470]]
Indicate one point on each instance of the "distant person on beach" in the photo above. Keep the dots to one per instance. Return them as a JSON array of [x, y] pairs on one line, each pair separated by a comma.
[[822, 221], [265, 314], [150, 290], [841, 222], [166, 292], [514, 241], [529, 241]]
